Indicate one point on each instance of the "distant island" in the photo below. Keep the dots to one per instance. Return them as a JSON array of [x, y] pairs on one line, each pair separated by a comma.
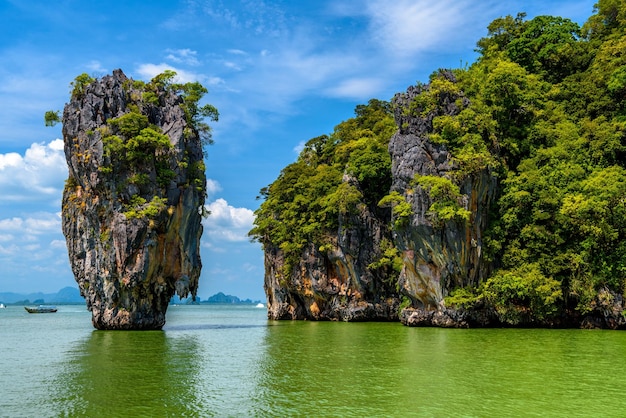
[[71, 295], [67, 295], [218, 298]]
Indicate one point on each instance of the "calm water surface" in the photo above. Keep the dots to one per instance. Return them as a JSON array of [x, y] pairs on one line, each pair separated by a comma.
[[230, 361]]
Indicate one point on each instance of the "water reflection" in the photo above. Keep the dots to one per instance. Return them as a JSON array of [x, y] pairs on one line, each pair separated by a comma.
[[143, 373], [337, 369], [205, 362], [333, 369], [221, 361]]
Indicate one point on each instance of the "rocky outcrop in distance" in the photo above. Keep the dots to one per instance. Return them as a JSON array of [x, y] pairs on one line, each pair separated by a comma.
[[133, 200]]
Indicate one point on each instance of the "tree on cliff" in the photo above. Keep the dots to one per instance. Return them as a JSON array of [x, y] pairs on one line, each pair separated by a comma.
[[560, 208], [313, 216], [304, 203]]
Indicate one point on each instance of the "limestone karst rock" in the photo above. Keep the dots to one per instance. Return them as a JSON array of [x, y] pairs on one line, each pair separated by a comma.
[[346, 282], [437, 258], [336, 284], [133, 200]]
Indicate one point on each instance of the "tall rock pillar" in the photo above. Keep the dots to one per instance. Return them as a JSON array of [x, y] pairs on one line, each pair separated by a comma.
[[133, 200]]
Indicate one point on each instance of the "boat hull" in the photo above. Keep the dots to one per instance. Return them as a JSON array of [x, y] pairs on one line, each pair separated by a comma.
[[40, 309]]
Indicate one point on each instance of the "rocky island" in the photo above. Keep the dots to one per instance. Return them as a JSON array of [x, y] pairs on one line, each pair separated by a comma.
[[493, 195], [134, 198]]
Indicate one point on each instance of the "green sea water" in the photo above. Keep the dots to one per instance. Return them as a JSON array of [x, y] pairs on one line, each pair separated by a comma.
[[229, 361]]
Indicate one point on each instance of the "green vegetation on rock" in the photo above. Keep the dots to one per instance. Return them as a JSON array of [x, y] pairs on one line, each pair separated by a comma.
[[51, 118], [79, 84], [544, 108], [303, 205], [133, 147], [446, 197], [560, 218]]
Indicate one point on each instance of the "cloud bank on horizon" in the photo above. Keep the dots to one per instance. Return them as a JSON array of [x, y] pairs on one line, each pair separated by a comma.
[[279, 73]]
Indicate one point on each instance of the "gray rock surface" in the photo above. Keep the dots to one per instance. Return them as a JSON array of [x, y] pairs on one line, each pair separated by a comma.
[[607, 312], [437, 258], [340, 284], [335, 284], [129, 267]]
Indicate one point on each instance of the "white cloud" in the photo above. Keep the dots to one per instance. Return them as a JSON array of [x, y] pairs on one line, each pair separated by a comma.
[[233, 66], [58, 243], [407, 26], [96, 67], [10, 160], [26, 240], [44, 223], [33, 243], [38, 174], [249, 267], [296, 69], [148, 71], [56, 145], [260, 18], [402, 32], [213, 81], [298, 148], [183, 56], [357, 88], [11, 224], [212, 187], [36, 224], [9, 250], [228, 223], [31, 248]]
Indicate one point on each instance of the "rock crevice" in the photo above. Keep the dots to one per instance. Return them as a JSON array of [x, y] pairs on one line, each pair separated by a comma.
[[437, 257], [336, 284]]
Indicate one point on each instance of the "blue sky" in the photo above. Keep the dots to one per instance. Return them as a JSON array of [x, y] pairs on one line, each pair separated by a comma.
[[280, 73]]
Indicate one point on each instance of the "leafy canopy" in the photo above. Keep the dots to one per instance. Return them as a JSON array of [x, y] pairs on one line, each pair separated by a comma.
[[555, 94], [334, 176], [544, 107]]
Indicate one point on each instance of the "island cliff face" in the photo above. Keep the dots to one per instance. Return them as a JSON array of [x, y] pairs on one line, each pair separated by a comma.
[[437, 256], [132, 204], [335, 284], [504, 180], [346, 281]]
